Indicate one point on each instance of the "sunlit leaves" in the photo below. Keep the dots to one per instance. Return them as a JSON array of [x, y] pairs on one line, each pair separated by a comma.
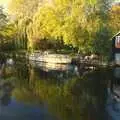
[[61, 19], [78, 23], [114, 22], [23, 8]]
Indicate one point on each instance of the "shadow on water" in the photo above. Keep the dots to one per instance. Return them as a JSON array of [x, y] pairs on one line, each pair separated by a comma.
[[6, 87], [6, 90], [31, 92], [113, 100]]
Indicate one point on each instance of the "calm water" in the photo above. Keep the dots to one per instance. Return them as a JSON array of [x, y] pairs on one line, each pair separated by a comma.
[[36, 91]]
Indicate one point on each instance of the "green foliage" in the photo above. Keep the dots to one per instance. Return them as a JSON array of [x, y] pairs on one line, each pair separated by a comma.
[[71, 21], [6, 32], [84, 25], [75, 98], [114, 22]]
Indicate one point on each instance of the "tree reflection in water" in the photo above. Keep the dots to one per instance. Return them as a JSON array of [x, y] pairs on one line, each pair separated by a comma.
[[6, 87], [78, 98], [67, 96], [114, 92]]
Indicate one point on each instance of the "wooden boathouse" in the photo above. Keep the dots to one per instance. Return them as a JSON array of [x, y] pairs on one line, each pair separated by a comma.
[[116, 49]]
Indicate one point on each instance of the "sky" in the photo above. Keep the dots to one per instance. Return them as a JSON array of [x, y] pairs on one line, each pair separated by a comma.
[[4, 2]]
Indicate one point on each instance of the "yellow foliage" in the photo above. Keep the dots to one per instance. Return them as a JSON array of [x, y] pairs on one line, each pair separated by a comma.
[[114, 22]]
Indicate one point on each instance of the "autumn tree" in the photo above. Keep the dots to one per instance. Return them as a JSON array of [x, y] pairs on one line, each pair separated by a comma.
[[77, 23], [114, 14], [22, 11]]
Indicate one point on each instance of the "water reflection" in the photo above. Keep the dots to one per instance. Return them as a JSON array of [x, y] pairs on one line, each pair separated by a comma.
[[79, 98], [56, 94], [113, 100], [115, 82], [5, 86], [6, 90]]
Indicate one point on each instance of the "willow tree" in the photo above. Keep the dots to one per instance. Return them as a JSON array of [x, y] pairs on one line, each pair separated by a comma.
[[23, 10]]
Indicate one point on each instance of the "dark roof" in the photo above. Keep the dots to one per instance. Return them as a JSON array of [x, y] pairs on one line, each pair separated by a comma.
[[116, 34]]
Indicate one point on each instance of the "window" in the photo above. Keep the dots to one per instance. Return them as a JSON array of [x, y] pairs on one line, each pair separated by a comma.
[[117, 42]]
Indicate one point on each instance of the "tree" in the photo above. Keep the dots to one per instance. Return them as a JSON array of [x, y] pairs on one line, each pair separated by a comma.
[[79, 23], [59, 20], [114, 21], [3, 22], [23, 8], [103, 33], [7, 31], [23, 11], [75, 22], [3, 17]]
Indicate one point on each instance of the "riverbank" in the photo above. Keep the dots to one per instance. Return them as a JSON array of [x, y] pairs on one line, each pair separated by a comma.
[[51, 57]]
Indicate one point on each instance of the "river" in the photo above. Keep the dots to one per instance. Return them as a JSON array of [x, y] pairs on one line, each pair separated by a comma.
[[39, 91]]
